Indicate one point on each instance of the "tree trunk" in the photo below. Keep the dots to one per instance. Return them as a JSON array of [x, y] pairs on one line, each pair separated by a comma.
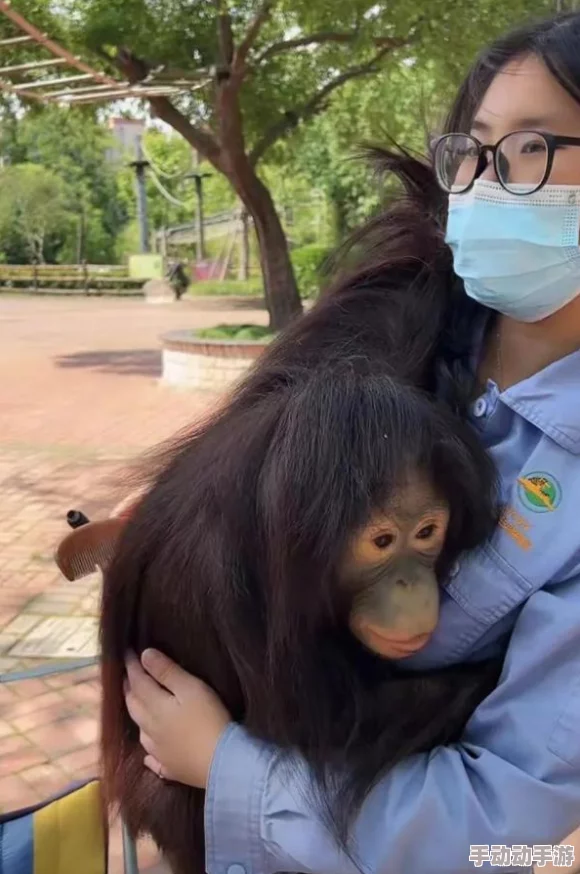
[[81, 236], [244, 267], [36, 243], [339, 220], [280, 289]]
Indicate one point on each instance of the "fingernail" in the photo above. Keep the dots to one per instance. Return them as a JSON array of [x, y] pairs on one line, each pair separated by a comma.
[[148, 657]]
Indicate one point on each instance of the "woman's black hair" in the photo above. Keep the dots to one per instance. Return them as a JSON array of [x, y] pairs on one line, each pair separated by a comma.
[[555, 41]]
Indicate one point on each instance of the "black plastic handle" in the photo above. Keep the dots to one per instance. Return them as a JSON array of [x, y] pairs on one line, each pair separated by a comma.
[[76, 518]]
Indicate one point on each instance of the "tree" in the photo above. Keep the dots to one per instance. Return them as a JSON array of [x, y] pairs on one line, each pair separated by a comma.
[[32, 203], [253, 71], [404, 104], [72, 144], [262, 68]]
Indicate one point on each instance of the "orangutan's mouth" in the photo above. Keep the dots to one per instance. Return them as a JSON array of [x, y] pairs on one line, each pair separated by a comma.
[[385, 645]]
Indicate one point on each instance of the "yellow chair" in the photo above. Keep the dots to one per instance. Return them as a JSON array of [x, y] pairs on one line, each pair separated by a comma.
[[66, 834]]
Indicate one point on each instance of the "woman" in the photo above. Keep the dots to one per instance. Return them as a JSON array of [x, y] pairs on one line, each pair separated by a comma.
[[512, 175]]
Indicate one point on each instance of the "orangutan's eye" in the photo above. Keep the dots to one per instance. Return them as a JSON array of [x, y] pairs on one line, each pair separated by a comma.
[[426, 533], [383, 541]]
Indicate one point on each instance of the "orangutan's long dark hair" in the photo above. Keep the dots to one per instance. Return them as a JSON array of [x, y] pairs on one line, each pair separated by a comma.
[[229, 563]]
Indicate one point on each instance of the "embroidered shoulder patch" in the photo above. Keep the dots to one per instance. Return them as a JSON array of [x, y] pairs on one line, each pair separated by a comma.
[[539, 492]]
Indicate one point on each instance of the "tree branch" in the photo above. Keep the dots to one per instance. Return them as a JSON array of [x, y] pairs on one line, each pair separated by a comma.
[[311, 107], [136, 70], [205, 143], [243, 50], [328, 37], [225, 39]]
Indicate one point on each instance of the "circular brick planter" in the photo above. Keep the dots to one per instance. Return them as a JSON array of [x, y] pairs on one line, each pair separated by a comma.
[[192, 362]]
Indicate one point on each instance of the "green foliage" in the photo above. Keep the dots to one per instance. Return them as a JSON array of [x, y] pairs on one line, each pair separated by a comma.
[[308, 262], [404, 103], [126, 242], [33, 213], [182, 35], [227, 288], [70, 145], [321, 190], [172, 160], [238, 333], [300, 200]]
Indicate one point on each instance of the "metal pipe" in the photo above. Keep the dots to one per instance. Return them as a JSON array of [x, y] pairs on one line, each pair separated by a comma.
[[49, 669], [130, 861], [139, 164]]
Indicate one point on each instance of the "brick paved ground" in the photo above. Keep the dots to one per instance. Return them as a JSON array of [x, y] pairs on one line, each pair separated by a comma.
[[78, 398]]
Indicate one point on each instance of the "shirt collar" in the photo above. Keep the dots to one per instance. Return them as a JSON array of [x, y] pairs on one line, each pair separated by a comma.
[[550, 399]]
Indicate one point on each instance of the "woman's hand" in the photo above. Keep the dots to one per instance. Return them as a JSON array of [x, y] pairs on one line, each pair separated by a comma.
[[180, 718]]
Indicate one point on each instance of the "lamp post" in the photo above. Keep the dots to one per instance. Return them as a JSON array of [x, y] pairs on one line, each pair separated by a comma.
[[139, 165], [198, 176]]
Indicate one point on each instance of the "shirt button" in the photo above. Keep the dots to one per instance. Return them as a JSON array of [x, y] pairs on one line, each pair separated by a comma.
[[455, 569], [480, 408], [236, 869]]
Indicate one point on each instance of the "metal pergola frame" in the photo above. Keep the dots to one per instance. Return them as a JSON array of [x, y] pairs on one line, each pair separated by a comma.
[[96, 86]]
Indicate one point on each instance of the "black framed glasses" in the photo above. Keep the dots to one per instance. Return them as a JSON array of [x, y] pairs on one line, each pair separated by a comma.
[[522, 160]]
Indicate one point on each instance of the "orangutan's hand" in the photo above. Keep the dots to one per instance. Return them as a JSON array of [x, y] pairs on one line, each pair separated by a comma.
[[180, 718]]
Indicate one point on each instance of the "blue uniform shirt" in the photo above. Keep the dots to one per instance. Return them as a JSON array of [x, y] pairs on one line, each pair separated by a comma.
[[515, 777]]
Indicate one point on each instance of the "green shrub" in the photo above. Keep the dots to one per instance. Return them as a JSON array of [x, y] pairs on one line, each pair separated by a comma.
[[308, 262], [253, 287], [236, 332]]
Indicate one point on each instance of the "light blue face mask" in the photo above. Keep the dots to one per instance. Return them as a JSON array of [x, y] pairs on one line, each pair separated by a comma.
[[517, 254]]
